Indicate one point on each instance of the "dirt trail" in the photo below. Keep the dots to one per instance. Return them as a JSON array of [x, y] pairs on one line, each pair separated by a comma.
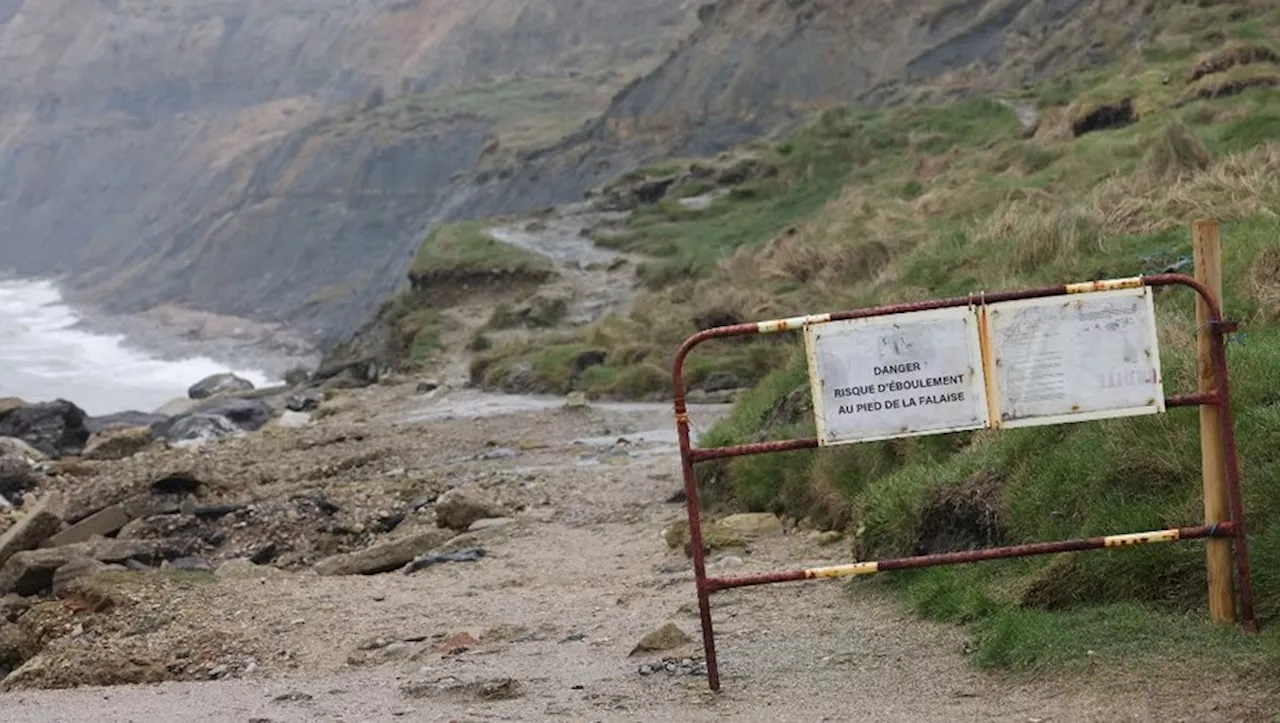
[[592, 281], [566, 591]]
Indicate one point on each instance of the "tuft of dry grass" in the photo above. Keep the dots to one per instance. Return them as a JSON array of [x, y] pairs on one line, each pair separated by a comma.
[[1232, 82], [1177, 153], [1234, 55], [1233, 187], [1043, 234], [1264, 280]]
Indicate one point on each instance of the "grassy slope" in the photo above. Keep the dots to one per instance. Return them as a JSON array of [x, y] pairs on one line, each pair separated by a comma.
[[457, 259], [464, 249], [1021, 212], [921, 202]]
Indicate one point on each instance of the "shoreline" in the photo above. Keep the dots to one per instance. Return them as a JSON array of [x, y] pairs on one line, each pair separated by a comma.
[[171, 332], [182, 342]]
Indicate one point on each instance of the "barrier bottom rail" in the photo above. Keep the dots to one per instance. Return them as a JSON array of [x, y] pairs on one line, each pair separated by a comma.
[[1222, 529]]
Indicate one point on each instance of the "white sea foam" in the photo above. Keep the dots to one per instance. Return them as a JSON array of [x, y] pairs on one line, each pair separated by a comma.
[[43, 357]]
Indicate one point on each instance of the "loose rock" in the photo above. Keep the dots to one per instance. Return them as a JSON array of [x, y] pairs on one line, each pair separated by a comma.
[[200, 428], [118, 443], [754, 524], [293, 420], [42, 521], [459, 643], [383, 557], [218, 384], [458, 508], [305, 400], [17, 475], [74, 569], [29, 572], [481, 690], [17, 447], [467, 554], [830, 537], [490, 523], [101, 523], [248, 414], [667, 637]]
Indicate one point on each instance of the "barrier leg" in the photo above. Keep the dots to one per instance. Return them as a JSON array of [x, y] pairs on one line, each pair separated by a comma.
[[1241, 543], [695, 539]]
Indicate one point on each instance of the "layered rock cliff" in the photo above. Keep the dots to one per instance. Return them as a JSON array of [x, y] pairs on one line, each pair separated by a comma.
[[249, 158], [756, 65]]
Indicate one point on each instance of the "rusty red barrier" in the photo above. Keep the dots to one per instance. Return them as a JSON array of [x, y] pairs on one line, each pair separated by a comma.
[[1234, 529]]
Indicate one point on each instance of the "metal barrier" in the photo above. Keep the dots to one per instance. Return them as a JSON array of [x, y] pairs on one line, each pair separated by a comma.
[[1233, 529]]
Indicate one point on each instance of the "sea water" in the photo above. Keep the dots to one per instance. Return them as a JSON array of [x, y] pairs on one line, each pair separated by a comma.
[[43, 356]]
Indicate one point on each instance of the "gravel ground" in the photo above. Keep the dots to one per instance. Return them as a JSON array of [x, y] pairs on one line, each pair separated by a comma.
[[568, 587]]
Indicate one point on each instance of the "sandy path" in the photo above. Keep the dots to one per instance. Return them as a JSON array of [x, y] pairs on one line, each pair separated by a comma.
[[569, 588]]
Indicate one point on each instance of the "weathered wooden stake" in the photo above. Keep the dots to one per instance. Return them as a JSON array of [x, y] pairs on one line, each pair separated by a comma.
[[1207, 248]]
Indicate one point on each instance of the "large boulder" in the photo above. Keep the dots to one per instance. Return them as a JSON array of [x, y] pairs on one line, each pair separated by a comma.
[[17, 475], [55, 428], [19, 448], [218, 384], [217, 418], [200, 428], [131, 418], [249, 415], [305, 400], [177, 407], [118, 443]]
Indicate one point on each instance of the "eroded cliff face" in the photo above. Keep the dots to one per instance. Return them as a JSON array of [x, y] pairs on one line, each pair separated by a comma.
[[757, 65], [249, 158]]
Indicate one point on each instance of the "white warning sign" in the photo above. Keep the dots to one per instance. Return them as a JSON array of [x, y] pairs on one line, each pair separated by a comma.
[[896, 376], [1075, 358]]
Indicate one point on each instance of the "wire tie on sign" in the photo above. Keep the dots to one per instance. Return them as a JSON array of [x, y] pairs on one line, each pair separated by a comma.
[[1228, 337]]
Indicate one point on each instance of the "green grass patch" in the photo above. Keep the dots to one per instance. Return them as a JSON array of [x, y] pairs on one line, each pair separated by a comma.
[[467, 250], [813, 166], [422, 328]]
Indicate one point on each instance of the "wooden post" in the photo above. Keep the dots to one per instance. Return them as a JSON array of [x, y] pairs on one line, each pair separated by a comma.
[[1207, 248]]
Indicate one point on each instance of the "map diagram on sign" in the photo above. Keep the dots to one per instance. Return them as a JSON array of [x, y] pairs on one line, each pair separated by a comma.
[[896, 376]]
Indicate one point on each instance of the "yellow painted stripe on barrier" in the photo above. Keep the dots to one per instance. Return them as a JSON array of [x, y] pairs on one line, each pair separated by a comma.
[[1141, 538], [1086, 287], [857, 568], [795, 322]]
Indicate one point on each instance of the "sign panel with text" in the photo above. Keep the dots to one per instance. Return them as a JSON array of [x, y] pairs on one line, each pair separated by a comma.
[[1075, 358], [896, 376]]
